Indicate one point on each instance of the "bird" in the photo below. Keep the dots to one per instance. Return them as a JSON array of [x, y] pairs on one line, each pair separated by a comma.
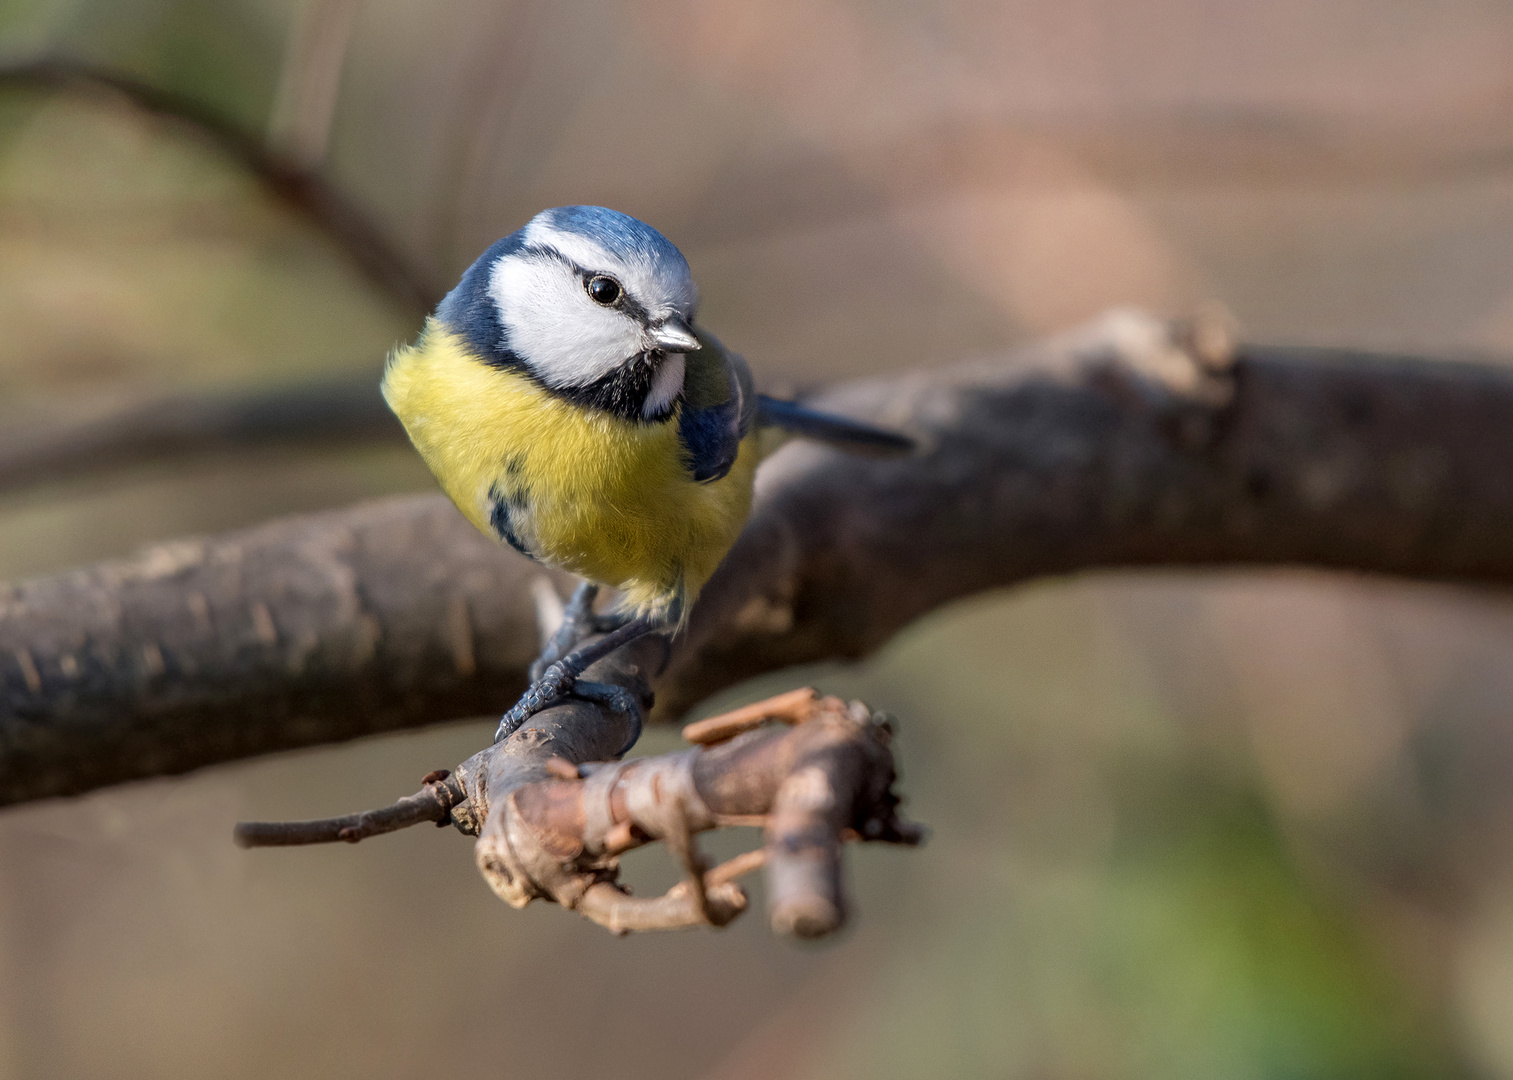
[[570, 404]]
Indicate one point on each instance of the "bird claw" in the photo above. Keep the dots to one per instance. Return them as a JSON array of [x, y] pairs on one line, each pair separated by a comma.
[[610, 621], [555, 686], [560, 678], [549, 688]]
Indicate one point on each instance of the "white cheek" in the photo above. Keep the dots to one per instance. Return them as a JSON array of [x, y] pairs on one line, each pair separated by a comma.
[[554, 327], [666, 384]]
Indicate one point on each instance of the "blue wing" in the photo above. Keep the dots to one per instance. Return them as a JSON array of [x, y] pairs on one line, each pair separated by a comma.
[[718, 409], [712, 438]]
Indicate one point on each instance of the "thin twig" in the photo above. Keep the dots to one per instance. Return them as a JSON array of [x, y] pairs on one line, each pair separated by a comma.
[[738, 866], [433, 802], [790, 708]]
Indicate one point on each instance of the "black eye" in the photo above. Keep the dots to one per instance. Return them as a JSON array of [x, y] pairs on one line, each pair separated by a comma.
[[604, 290]]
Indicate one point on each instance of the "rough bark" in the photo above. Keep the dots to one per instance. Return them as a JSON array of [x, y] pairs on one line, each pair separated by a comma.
[[552, 825], [1132, 442], [299, 632]]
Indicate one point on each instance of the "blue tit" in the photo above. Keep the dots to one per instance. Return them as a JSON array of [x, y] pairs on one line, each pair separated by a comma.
[[570, 407]]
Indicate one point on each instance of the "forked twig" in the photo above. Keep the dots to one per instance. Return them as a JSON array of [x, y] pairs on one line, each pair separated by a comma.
[[557, 831]]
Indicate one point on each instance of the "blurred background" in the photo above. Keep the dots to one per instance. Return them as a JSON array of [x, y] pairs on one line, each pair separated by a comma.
[[1185, 825]]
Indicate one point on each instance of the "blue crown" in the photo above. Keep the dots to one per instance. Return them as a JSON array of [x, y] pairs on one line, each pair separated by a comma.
[[622, 235]]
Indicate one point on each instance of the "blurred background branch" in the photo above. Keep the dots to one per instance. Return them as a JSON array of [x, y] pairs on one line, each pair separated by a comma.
[[164, 429], [305, 105], [286, 162]]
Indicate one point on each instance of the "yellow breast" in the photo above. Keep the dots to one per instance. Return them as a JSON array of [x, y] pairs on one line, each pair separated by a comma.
[[608, 499]]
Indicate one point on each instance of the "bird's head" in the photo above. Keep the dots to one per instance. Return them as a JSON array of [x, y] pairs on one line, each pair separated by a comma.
[[595, 305]]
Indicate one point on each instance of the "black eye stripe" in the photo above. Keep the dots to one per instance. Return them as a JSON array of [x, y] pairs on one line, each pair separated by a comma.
[[626, 302]]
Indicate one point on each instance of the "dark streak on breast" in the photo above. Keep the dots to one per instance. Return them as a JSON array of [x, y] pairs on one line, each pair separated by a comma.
[[502, 512]]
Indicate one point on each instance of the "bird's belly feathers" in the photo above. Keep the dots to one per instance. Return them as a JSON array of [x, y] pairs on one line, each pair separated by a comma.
[[609, 499]]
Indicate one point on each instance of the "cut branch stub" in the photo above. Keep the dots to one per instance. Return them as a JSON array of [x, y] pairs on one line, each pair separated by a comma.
[[828, 778]]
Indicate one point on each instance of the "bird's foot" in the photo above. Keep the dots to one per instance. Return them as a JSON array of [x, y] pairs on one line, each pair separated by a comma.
[[578, 622], [555, 686], [560, 679], [617, 698], [551, 686], [610, 621]]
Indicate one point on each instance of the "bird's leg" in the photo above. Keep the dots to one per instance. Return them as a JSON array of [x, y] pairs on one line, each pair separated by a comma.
[[578, 620], [606, 621], [560, 680]]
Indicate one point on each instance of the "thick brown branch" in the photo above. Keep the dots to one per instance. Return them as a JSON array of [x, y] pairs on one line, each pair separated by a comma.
[[213, 650], [1129, 443]]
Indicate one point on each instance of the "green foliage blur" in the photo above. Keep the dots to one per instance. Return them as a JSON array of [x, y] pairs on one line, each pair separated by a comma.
[[1184, 825]]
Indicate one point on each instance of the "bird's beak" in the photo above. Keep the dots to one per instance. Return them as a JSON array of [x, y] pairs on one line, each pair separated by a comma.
[[673, 334]]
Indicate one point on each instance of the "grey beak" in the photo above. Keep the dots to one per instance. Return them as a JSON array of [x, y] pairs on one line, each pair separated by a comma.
[[673, 334]]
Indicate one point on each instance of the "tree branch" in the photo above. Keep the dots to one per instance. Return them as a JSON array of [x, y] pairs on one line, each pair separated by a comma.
[[1129, 443], [433, 802], [548, 829], [341, 410]]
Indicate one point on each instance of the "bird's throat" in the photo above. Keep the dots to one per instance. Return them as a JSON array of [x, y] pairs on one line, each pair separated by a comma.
[[643, 389]]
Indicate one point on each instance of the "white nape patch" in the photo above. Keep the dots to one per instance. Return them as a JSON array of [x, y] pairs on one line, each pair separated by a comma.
[[666, 385]]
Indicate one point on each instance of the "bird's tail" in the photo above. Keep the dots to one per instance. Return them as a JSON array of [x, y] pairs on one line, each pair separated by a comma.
[[840, 431]]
